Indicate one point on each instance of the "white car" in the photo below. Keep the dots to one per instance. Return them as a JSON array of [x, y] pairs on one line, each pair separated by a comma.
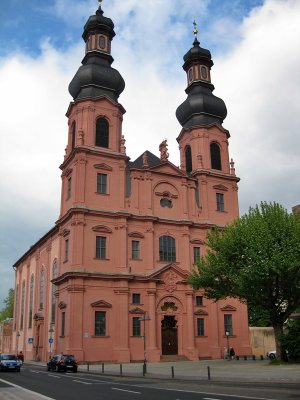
[[271, 354]]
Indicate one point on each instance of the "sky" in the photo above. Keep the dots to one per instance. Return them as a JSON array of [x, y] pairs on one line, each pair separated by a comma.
[[255, 48]]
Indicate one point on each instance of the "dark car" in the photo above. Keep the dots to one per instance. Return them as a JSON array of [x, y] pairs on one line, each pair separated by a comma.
[[9, 362], [62, 362]]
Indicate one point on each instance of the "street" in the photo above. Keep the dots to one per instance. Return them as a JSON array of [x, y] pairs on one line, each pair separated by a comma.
[[70, 386]]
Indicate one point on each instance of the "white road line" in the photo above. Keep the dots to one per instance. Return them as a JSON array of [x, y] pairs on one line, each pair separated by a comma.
[[123, 390], [28, 391], [84, 383], [209, 398], [54, 376]]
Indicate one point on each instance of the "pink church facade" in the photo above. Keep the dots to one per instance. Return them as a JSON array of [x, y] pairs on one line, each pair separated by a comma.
[[109, 281]]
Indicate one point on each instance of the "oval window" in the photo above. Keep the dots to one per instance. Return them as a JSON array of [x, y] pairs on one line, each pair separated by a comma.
[[102, 42], [204, 72]]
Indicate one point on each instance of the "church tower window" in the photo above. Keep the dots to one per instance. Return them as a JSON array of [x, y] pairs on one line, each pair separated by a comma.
[[188, 160], [215, 156], [167, 248], [102, 132], [73, 134]]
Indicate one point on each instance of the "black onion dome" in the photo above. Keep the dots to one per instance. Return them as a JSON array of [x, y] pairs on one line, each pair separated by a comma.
[[99, 22], [96, 77], [201, 107], [197, 53]]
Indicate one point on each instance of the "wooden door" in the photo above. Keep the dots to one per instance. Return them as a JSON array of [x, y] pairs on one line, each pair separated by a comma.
[[169, 336]]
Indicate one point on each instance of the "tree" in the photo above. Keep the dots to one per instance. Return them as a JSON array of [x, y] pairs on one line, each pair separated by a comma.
[[291, 339], [8, 310], [257, 260]]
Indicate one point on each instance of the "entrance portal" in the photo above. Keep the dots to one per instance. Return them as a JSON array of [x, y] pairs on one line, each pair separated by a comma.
[[169, 338]]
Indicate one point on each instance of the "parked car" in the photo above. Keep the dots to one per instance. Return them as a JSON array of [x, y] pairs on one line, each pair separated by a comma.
[[62, 362], [271, 354], [9, 362]]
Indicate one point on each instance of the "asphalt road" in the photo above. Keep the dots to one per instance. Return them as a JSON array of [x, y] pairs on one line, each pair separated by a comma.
[[70, 386]]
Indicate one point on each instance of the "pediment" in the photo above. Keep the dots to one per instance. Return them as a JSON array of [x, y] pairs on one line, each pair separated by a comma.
[[197, 241], [228, 307], [221, 187], [103, 166], [65, 232], [101, 304], [171, 273], [200, 312], [101, 228], [167, 168], [137, 310], [136, 235]]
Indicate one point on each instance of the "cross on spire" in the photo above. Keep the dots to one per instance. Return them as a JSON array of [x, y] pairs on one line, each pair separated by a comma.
[[195, 30]]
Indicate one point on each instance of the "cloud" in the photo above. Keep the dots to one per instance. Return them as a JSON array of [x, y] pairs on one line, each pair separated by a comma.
[[255, 72]]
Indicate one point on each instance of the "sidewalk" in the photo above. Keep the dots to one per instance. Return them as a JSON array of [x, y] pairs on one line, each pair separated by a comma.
[[219, 370]]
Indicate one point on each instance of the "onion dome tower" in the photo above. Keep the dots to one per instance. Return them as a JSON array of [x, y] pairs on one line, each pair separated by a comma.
[[96, 77], [201, 107]]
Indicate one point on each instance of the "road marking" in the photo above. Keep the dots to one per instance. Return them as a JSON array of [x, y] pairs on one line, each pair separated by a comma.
[[27, 390], [123, 390], [84, 383], [209, 398], [54, 376]]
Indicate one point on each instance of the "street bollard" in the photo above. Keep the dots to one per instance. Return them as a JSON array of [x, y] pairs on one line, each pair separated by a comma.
[[144, 369], [102, 368], [88, 366], [208, 372], [172, 368], [121, 369]]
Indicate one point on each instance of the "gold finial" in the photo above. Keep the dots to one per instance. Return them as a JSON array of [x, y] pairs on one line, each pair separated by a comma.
[[100, 3], [195, 30]]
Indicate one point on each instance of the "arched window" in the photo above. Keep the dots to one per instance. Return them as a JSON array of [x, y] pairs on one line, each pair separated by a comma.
[[102, 132], [73, 133], [22, 305], [215, 156], [16, 307], [54, 275], [42, 287], [31, 301], [167, 248], [188, 160]]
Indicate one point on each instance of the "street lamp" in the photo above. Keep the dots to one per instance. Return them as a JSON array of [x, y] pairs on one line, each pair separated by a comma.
[[145, 318], [17, 342], [51, 330], [227, 333]]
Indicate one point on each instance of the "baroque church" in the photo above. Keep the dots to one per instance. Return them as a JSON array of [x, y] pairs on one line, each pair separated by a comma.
[[109, 282]]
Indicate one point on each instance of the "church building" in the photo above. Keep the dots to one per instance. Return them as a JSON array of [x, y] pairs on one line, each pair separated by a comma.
[[109, 282]]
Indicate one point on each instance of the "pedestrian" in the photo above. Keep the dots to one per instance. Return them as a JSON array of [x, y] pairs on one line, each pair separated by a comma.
[[231, 353], [21, 356]]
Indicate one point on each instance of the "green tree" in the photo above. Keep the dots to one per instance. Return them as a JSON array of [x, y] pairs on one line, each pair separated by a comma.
[[291, 339], [8, 310], [257, 260]]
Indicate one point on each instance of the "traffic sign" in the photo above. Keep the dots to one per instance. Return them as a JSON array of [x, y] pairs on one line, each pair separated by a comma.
[[50, 340], [30, 340]]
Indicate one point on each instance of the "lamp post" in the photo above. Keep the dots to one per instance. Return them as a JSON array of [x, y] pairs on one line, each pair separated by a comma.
[[145, 318], [51, 330], [17, 342], [227, 333]]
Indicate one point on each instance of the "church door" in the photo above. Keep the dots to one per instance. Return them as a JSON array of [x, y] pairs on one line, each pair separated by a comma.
[[169, 335]]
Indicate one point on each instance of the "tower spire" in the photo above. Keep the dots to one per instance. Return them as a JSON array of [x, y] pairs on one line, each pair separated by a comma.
[[195, 30]]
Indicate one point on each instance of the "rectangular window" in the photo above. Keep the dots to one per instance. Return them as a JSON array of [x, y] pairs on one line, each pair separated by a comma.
[[102, 183], [69, 188], [66, 250], [63, 322], [200, 326], [228, 324], [100, 323], [136, 298], [199, 300], [135, 249], [136, 326], [196, 254], [220, 201], [100, 247]]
